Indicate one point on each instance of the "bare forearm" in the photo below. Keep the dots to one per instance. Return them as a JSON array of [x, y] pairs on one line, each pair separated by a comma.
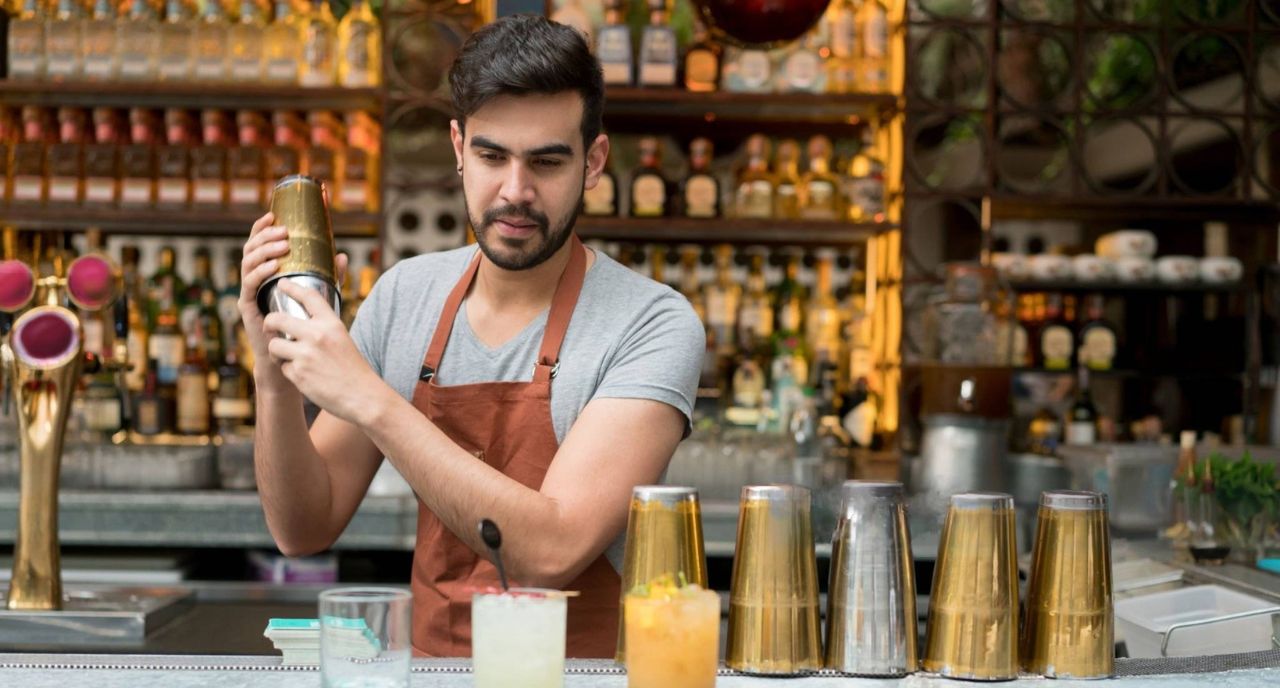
[[292, 479]]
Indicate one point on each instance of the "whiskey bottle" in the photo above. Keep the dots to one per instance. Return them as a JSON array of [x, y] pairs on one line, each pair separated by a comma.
[[690, 284], [233, 403], [358, 181], [865, 190], [173, 189], [26, 42], [359, 48], [800, 67], [102, 160], [786, 203], [209, 162], [138, 335], [165, 345], [191, 299], [723, 300], [1056, 343], [649, 197], [209, 327], [747, 70], [28, 180], [138, 161], [153, 405], [319, 68], [177, 41], [210, 38], [754, 194], [842, 28], [285, 156], [613, 45], [1097, 337], [872, 60], [658, 50], [98, 53], [819, 192], [282, 45], [822, 315], [755, 318], [1082, 419], [245, 161], [323, 156], [103, 405], [164, 287], [789, 299], [701, 189], [138, 42], [66, 158], [702, 62], [193, 390], [228, 300], [246, 41], [65, 35], [601, 200]]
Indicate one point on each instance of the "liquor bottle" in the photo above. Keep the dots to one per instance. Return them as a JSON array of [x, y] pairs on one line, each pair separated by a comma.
[[822, 315], [701, 189], [152, 412], [1097, 337], [754, 195], [364, 286], [359, 48], [323, 156], [228, 300], [865, 183], [102, 172], [601, 200], [746, 70], [842, 27], [572, 14], [191, 299], [789, 299], [282, 45], [723, 300], [138, 335], [103, 405], [1082, 420], [64, 36], [872, 61], [28, 176], [210, 37], [819, 192], [233, 403], [755, 316], [212, 333], [284, 157], [690, 284], [246, 161], [138, 161], [649, 197], [98, 53], [26, 42], [138, 42], [786, 203], [702, 61], [658, 49], [209, 179], [66, 158], [800, 67], [358, 177], [319, 68], [1056, 344], [164, 287], [613, 45], [173, 160], [246, 40], [177, 41], [164, 344], [10, 135], [193, 390]]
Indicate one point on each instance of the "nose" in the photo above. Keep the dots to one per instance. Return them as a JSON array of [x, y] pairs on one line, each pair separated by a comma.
[[517, 185]]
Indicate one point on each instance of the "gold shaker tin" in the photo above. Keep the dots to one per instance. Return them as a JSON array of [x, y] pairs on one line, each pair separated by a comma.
[[298, 203]]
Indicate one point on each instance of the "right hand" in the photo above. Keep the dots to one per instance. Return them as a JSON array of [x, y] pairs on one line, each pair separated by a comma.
[[266, 244]]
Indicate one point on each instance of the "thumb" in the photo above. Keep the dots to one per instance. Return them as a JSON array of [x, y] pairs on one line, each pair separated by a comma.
[[340, 263]]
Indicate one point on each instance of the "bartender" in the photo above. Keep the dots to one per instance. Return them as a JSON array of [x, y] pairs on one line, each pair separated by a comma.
[[529, 380]]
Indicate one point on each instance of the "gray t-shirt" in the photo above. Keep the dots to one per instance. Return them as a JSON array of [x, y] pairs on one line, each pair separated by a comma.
[[630, 338]]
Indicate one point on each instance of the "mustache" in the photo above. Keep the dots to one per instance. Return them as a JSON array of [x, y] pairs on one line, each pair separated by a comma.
[[515, 211]]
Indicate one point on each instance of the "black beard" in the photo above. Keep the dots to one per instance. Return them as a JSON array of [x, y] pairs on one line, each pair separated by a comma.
[[551, 241]]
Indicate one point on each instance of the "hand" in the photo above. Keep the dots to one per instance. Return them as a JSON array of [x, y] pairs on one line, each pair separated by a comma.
[[319, 358]]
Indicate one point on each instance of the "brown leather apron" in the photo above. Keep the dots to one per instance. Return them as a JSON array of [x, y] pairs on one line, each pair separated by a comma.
[[508, 426]]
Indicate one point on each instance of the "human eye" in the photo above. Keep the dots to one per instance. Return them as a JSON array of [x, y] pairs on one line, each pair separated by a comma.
[[547, 163], [491, 156]]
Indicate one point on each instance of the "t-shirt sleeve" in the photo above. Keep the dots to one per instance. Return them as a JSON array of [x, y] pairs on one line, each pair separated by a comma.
[[660, 358], [368, 329]]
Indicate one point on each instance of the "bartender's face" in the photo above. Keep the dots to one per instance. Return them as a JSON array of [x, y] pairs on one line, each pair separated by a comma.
[[524, 170]]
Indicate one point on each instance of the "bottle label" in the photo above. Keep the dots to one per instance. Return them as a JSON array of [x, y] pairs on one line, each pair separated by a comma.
[[27, 188], [211, 68], [147, 420], [658, 61], [98, 68], [354, 195], [875, 39], [1081, 433], [599, 200], [842, 35], [167, 351], [867, 194], [235, 409], [1098, 348], [802, 70], [754, 69], [135, 377], [63, 189], [94, 334], [1056, 347], [193, 403], [102, 414], [246, 192], [100, 190], [282, 70], [207, 191], [757, 320], [648, 196], [755, 199], [822, 200], [173, 191], [135, 192], [614, 51], [700, 196], [700, 68], [134, 65]]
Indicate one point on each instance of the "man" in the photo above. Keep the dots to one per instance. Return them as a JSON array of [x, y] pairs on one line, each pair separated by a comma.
[[529, 381]]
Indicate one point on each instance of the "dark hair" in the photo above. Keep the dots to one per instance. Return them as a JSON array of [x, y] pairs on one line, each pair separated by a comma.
[[527, 54]]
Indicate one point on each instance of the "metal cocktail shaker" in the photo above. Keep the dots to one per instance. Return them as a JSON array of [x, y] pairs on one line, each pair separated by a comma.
[[298, 203]]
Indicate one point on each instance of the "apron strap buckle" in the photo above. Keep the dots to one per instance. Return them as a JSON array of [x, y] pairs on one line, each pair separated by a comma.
[[555, 368], [426, 374]]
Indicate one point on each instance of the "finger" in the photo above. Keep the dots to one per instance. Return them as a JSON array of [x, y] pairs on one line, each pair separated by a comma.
[[262, 222], [283, 350], [287, 325], [310, 299], [251, 282], [340, 263], [266, 236], [262, 254]]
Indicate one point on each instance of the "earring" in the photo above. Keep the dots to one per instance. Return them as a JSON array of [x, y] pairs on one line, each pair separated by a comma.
[[459, 169]]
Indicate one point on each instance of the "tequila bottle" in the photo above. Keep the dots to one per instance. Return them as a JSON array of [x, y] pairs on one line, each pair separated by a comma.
[[284, 157], [649, 197], [63, 39], [819, 194], [209, 179], [323, 156], [789, 298], [866, 182], [26, 42], [800, 67], [138, 165], [755, 318], [747, 71], [177, 41], [319, 67], [658, 50], [723, 299], [358, 178], [66, 158], [102, 159], [701, 189], [754, 195], [193, 389], [211, 36], [138, 42], [702, 62], [247, 159], [283, 45], [786, 204], [359, 48], [247, 39], [99, 54], [613, 46], [173, 188], [28, 183], [872, 62], [822, 315], [842, 27], [602, 199]]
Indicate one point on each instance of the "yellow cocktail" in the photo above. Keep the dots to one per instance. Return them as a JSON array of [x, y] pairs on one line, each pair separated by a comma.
[[673, 637]]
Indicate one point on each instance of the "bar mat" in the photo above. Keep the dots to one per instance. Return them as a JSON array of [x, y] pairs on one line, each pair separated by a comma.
[[1266, 659]]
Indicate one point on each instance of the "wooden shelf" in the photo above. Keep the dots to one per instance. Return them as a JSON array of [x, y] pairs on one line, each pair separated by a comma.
[[1191, 374], [1120, 288], [188, 95], [1137, 209], [654, 105], [192, 221], [676, 230]]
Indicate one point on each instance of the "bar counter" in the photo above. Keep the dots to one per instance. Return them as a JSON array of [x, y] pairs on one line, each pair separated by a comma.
[[180, 671]]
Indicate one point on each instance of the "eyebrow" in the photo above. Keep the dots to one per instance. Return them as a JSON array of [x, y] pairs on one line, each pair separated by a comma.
[[549, 149]]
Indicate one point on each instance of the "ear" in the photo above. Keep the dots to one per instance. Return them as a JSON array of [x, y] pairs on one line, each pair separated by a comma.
[[456, 136], [597, 157]]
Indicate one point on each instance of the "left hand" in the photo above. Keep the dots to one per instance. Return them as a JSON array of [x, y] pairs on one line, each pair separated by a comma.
[[320, 358]]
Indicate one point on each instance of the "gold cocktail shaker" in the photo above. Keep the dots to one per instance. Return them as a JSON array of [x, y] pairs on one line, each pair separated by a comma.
[[299, 205]]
